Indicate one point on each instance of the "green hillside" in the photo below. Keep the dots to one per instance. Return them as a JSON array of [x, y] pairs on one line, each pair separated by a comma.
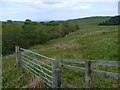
[[91, 42], [90, 23], [91, 20]]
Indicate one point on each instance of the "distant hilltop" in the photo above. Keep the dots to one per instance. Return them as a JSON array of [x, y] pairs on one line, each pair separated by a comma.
[[94, 20]]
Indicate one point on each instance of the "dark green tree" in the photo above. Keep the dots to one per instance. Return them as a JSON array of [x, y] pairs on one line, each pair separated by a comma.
[[9, 21]]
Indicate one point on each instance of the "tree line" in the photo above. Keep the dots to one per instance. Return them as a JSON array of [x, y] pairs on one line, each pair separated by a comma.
[[31, 33], [112, 21]]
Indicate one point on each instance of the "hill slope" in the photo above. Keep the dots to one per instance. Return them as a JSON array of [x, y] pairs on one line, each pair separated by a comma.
[[90, 20], [92, 42]]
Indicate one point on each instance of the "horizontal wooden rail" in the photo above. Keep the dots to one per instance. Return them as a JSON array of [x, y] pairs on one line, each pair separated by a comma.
[[73, 61], [88, 68], [99, 62], [74, 67], [106, 63], [110, 74]]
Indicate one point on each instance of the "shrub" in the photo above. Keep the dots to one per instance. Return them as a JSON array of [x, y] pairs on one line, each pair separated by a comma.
[[32, 33]]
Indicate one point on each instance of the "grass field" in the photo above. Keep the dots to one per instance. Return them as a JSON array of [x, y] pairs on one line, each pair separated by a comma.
[[91, 42]]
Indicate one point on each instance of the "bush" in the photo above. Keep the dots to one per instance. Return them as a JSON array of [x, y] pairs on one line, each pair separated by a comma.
[[32, 33]]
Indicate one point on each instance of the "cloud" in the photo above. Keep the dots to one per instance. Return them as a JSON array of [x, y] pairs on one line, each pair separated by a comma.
[[85, 7], [21, 1], [59, 0], [55, 9]]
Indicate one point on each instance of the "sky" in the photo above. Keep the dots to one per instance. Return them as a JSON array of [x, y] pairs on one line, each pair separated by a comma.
[[44, 10]]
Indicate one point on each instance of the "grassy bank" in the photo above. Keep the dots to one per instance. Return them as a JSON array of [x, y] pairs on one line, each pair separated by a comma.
[[88, 44]]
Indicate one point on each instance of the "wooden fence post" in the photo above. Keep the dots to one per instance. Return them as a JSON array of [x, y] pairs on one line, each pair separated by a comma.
[[18, 56], [88, 71], [56, 74]]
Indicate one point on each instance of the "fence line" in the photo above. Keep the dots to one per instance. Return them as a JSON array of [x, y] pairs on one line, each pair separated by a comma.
[[51, 74], [99, 62], [88, 68]]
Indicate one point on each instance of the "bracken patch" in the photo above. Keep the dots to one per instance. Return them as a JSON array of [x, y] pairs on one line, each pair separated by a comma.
[[67, 46], [35, 83]]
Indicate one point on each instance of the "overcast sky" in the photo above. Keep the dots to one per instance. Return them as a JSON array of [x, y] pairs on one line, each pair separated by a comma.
[[40, 10]]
